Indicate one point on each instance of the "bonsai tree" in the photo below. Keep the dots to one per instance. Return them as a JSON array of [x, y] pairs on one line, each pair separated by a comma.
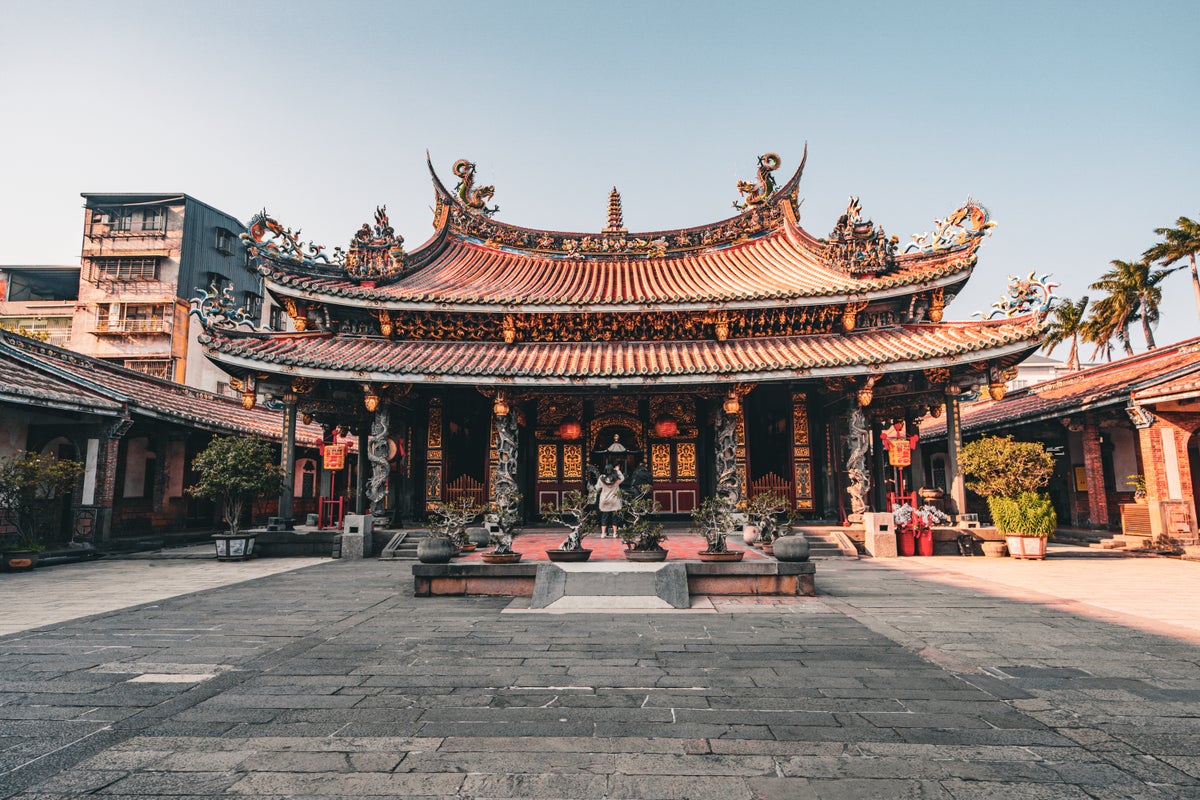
[[450, 520], [640, 532], [764, 510], [573, 514], [236, 470], [1009, 474], [714, 517], [29, 486]]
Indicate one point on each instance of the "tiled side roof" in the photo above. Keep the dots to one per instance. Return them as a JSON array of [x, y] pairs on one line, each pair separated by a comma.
[[374, 358], [49, 374], [780, 266], [25, 382], [1101, 385]]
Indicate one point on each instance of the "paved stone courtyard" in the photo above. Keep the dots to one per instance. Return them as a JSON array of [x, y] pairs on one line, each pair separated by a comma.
[[924, 678]]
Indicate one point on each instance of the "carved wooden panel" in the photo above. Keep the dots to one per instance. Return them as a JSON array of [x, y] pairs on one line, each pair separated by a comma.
[[547, 461], [802, 454], [660, 461], [685, 460], [572, 461]]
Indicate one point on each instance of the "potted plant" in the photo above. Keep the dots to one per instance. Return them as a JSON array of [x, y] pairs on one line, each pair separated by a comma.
[[236, 470], [1138, 484], [447, 528], [1010, 474], [30, 484], [714, 518], [643, 537], [763, 511], [1026, 521], [573, 514], [503, 516]]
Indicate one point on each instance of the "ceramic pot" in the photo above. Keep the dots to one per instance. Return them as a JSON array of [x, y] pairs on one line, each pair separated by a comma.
[[20, 560], [435, 550], [791, 548], [925, 544], [728, 555], [1031, 547], [645, 555], [906, 541], [994, 549], [479, 536], [568, 555], [501, 558]]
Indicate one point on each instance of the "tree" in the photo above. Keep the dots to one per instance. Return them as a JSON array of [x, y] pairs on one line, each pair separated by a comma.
[[1003, 467], [1066, 323], [236, 469], [1134, 293], [29, 485], [1182, 241]]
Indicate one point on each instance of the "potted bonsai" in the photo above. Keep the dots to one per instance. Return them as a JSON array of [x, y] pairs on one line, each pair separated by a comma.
[[447, 528], [643, 537], [503, 516], [714, 518], [1010, 475], [235, 470], [764, 510], [573, 514], [30, 484]]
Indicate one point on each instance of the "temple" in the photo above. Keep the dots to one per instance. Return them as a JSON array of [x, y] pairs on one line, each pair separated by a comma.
[[737, 357]]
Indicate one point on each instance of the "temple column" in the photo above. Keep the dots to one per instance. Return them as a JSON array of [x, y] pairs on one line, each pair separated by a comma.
[[911, 426], [728, 481], [1093, 465], [958, 489], [287, 459], [360, 494], [505, 462], [377, 454], [858, 445]]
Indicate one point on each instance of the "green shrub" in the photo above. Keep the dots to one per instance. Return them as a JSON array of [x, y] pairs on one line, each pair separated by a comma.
[[236, 470], [1030, 514], [1002, 467]]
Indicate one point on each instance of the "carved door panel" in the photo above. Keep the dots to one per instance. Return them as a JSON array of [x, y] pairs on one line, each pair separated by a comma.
[[559, 470], [673, 469]]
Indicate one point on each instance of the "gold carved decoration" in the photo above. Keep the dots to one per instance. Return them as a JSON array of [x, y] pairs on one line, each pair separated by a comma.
[[434, 440], [508, 330], [937, 376], [301, 385], [660, 461], [297, 314], [547, 461], [385, 323], [685, 460], [850, 314], [622, 404], [937, 304], [801, 453], [721, 326], [572, 461]]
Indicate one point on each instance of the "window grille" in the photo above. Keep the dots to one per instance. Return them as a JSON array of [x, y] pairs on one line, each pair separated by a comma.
[[154, 219], [156, 367], [133, 268]]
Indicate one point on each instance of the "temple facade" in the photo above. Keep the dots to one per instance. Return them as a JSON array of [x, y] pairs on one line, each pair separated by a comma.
[[738, 357]]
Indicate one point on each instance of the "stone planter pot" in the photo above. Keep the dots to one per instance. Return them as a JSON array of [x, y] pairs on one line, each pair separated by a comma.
[[233, 547], [994, 549], [645, 555], [435, 550], [1030, 547], [791, 548], [19, 560], [728, 555], [568, 555], [479, 537], [501, 558]]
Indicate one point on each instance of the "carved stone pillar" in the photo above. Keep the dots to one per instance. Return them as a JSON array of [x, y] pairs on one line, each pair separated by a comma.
[[377, 454], [858, 445], [287, 457], [362, 467], [504, 477], [958, 489], [729, 483]]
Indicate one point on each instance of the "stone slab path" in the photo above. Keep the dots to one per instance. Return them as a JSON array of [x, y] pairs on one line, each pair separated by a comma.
[[900, 680]]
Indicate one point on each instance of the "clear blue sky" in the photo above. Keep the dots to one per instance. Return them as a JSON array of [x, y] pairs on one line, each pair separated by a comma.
[[1075, 122]]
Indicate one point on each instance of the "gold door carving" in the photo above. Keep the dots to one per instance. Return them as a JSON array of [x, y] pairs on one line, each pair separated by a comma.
[[802, 453], [660, 461], [685, 460], [572, 461], [548, 461]]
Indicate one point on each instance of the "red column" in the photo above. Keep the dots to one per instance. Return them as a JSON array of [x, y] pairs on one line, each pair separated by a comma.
[[1097, 492]]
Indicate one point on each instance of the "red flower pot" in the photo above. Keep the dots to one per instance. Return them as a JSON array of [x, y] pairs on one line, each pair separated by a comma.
[[925, 543], [908, 544]]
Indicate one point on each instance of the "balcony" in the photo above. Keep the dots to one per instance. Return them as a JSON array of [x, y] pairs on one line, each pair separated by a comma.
[[139, 326]]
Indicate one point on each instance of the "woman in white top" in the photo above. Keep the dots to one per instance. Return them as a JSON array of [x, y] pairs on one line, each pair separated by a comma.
[[610, 500]]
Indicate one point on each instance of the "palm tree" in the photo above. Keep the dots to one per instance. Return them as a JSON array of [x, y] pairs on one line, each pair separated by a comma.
[[1134, 294], [1067, 323], [1179, 242]]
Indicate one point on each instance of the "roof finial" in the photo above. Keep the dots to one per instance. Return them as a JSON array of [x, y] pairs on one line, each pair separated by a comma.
[[616, 221]]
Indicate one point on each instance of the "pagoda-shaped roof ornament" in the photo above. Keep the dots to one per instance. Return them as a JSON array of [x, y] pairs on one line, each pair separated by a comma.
[[375, 252], [857, 247], [616, 219]]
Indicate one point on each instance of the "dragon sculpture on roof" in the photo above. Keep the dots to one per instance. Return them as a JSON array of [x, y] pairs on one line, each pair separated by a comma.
[[471, 197], [266, 236], [965, 227], [755, 194], [1024, 295]]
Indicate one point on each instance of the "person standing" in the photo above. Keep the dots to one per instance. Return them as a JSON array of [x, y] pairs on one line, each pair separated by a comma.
[[610, 500]]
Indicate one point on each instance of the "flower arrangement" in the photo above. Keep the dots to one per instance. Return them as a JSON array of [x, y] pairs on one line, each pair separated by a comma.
[[917, 521]]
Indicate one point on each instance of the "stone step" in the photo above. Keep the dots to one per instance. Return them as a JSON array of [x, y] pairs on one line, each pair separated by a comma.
[[405, 549], [613, 585]]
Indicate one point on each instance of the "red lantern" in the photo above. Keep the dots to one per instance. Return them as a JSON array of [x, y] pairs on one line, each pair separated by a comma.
[[570, 430], [665, 427]]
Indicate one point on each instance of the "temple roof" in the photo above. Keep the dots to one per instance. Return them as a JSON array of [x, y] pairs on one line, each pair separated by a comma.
[[40, 374], [369, 358], [1151, 376], [758, 257]]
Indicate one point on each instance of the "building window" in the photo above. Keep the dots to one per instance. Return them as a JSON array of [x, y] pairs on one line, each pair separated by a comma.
[[937, 469], [136, 268], [253, 306], [155, 367], [225, 241], [154, 218], [133, 318], [120, 219], [216, 281], [277, 319]]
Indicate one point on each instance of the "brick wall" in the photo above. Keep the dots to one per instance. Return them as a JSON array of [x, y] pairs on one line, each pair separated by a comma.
[[1097, 492]]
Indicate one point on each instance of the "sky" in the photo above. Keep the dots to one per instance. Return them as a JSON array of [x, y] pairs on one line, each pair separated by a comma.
[[1075, 123]]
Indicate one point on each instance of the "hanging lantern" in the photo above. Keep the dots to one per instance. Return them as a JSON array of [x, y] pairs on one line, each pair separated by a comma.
[[500, 407], [997, 390], [371, 401], [867, 393], [306, 418], [935, 410], [248, 400], [732, 406], [570, 430], [666, 427]]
